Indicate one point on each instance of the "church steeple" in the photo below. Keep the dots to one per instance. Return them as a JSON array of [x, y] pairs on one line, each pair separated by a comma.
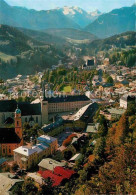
[[18, 122], [43, 88]]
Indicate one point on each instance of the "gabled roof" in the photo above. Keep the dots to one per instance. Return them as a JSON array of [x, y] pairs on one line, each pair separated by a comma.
[[58, 175], [25, 150], [25, 107], [68, 98], [8, 135], [53, 126], [29, 109], [8, 105], [50, 164], [7, 182], [39, 147], [86, 112], [56, 180], [46, 139], [65, 173]]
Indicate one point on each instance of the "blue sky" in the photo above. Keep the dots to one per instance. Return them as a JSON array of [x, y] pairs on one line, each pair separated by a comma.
[[89, 5]]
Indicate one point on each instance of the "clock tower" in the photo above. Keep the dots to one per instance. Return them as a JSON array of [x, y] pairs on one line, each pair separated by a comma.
[[18, 123]]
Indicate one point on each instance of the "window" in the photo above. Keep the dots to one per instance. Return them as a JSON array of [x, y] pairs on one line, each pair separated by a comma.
[[17, 123], [37, 119], [3, 151], [26, 120], [9, 150]]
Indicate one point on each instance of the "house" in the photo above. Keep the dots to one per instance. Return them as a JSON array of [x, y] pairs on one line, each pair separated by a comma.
[[112, 113], [90, 64], [50, 164], [26, 157], [58, 176], [8, 182]]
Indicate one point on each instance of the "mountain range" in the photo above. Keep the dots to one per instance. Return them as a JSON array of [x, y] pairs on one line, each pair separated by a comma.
[[26, 51], [80, 16], [115, 22], [36, 20], [101, 25], [67, 17]]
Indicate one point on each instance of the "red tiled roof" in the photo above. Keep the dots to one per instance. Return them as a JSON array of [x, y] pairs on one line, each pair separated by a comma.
[[56, 180], [65, 173], [57, 176]]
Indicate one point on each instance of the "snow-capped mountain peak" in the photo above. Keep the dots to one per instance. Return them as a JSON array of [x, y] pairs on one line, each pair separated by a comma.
[[71, 10]]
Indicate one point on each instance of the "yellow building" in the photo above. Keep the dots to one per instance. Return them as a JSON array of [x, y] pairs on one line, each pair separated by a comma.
[[27, 157], [56, 105]]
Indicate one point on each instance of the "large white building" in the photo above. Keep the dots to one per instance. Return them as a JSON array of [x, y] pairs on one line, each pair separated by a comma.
[[29, 156]]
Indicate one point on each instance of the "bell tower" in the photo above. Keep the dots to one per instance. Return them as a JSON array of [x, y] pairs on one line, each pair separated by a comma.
[[44, 107], [18, 123]]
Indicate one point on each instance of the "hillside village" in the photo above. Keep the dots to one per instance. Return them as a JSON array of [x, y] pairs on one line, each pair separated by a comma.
[[67, 101], [58, 128]]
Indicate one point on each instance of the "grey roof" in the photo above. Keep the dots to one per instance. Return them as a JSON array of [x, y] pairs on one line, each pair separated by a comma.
[[53, 126], [8, 105], [7, 182], [8, 135], [50, 164], [116, 111], [68, 98], [25, 107]]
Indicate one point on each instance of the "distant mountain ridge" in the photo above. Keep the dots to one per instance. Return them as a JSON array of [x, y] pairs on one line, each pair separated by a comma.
[[80, 16], [70, 33], [22, 54], [13, 42], [32, 19], [122, 40], [115, 22]]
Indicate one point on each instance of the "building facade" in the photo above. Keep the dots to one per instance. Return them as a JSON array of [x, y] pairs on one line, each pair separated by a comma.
[[126, 99], [27, 157], [11, 138], [57, 105], [41, 113]]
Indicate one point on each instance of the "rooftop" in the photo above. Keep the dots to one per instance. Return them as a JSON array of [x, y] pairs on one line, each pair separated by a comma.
[[92, 128], [52, 126], [50, 164], [116, 111], [25, 107], [68, 98], [46, 139], [8, 135], [7, 182], [24, 150], [76, 157]]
